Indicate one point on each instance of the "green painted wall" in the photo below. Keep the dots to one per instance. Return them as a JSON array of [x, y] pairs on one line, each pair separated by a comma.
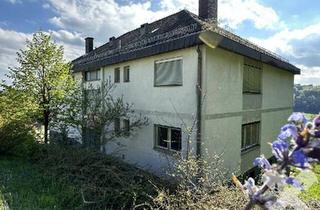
[[226, 108]]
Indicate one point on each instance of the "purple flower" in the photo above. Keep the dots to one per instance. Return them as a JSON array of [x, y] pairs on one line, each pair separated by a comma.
[[301, 142], [317, 134], [316, 122], [297, 118], [299, 159], [280, 149], [312, 150], [250, 186], [288, 131], [295, 183], [262, 162]]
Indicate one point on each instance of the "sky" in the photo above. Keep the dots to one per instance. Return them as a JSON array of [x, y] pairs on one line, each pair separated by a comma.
[[290, 28]]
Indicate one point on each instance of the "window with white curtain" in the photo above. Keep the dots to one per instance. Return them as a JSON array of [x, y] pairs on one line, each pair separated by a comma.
[[92, 75], [168, 72]]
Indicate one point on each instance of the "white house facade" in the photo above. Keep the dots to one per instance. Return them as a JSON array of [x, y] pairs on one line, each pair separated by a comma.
[[185, 72]]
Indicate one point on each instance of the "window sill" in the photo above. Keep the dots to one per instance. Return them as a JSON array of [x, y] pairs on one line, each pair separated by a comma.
[[167, 85], [166, 151], [251, 93], [92, 80], [250, 149]]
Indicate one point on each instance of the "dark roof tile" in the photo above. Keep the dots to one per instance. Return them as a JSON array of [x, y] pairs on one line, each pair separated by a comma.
[[177, 31]]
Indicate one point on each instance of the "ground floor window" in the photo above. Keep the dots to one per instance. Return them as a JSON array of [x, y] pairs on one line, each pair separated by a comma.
[[250, 135], [126, 126], [167, 137], [117, 126]]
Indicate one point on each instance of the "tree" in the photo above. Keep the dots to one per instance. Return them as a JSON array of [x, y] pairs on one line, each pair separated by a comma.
[[306, 98], [44, 75], [96, 113]]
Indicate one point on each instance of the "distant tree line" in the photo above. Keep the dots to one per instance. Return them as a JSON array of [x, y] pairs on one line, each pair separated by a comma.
[[307, 98]]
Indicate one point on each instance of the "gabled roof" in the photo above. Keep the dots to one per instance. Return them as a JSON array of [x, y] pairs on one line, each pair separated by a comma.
[[177, 31]]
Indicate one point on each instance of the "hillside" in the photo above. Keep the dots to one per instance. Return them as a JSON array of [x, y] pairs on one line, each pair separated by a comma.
[[307, 98]]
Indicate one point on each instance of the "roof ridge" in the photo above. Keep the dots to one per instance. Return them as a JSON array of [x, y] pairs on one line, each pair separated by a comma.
[[122, 35]]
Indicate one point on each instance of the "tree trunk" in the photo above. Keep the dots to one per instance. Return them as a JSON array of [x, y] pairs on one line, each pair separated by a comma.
[[46, 125]]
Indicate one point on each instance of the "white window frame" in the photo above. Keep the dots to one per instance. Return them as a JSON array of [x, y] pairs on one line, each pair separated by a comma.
[[126, 77], [244, 146], [164, 61], [251, 66], [87, 75], [117, 75], [169, 129]]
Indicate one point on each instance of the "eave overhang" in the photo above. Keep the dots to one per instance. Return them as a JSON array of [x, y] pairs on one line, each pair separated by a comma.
[[95, 60]]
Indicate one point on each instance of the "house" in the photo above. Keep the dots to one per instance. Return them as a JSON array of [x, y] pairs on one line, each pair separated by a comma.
[[184, 69]]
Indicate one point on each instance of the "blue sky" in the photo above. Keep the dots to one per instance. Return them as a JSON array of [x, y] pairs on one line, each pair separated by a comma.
[[290, 28]]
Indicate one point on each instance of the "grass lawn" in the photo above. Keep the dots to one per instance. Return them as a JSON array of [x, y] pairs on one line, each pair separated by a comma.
[[22, 186], [313, 193]]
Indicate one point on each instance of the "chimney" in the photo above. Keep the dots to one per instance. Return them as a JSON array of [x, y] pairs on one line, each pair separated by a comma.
[[114, 43], [111, 39], [89, 44], [208, 9]]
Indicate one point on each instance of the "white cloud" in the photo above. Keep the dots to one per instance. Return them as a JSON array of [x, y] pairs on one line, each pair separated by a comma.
[[14, 1], [301, 47], [309, 75], [235, 12], [12, 41], [46, 6], [282, 41], [103, 19]]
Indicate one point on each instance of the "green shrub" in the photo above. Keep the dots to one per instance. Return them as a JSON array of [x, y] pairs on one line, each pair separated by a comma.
[[16, 139]]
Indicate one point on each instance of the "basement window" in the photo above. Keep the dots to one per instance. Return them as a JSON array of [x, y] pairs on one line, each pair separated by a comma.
[[168, 72], [126, 74], [168, 138], [92, 75], [250, 135], [252, 76], [117, 75]]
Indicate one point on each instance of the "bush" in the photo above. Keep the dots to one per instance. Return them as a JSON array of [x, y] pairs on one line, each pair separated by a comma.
[[16, 139], [200, 185], [103, 182]]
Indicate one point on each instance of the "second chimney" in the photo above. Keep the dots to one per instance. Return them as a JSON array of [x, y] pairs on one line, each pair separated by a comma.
[[208, 9], [89, 44]]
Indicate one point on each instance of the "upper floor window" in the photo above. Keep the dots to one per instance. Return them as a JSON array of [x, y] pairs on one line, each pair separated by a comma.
[[250, 135], [252, 76], [126, 74], [168, 72], [117, 75], [92, 75], [168, 137]]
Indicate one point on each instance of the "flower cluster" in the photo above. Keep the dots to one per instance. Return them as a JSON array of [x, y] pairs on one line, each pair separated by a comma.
[[298, 145]]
